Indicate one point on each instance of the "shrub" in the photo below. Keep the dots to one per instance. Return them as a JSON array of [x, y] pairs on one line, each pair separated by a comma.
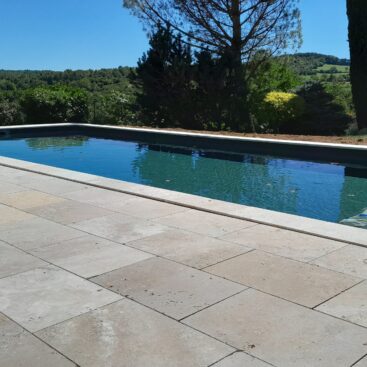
[[329, 109], [55, 104], [10, 112], [278, 109]]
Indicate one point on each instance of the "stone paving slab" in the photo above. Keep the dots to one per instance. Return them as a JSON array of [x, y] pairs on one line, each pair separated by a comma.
[[19, 348], [9, 216], [195, 250], [173, 289], [13, 261], [294, 245], [51, 185], [89, 256], [102, 198], [204, 223], [68, 212], [361, 363], [27, 200], [8, 188], [241, 359], [36, 232], [45, 296], [350, 305], [280, 332], [295, 281], [126, 334], [124, 203], [349, 260], [120, 228]]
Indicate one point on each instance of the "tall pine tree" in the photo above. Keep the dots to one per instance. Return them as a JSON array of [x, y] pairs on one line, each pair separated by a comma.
[[164, 75], [357, 15]]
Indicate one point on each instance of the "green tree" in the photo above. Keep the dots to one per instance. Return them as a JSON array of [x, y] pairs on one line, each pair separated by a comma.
[[234, 30], [357, 15], [163, 75]]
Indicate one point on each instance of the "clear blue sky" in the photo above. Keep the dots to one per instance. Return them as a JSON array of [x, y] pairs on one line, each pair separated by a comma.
[[83, 34]]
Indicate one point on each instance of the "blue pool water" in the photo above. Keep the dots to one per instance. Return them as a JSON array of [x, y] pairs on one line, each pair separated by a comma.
[[329, 192]]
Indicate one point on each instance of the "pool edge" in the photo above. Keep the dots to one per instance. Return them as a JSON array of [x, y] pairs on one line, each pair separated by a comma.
[[328, 230]]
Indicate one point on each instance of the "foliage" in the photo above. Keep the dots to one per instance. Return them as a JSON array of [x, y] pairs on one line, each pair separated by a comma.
[[112, 108], [90, 80], [56, 104], [10, 111], [324, 114], [163, 77], [280, 108], [357, 29], [272, 75], [310, 63], [232, 31]]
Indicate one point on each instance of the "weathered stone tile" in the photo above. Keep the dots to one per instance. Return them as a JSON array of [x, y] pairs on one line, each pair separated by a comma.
[[8, 188], [102, 198], [204, 223], [126, 334], [13, 261], [240, 359], [27, 200], [295, 281], [361, 363], [18, 348], [350, 260], [150, 209], [15, 176], [192, 249], [294, 245], [68, 212], [45, 296], [124, 203], [120, 227], [36, 232], [173, 289], [10, 216], [280, 332], [89, 256], [350, 305], [52, 185]]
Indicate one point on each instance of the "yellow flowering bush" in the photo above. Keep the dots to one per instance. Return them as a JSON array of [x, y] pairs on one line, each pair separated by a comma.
[[279, 108]]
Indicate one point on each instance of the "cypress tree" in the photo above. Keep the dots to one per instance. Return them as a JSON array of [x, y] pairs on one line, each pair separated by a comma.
[[357, 15]]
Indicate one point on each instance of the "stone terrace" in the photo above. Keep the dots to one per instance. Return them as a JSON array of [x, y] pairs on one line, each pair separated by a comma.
[[91, 277]]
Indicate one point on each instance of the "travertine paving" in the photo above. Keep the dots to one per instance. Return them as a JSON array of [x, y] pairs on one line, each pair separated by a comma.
[[91, 277]]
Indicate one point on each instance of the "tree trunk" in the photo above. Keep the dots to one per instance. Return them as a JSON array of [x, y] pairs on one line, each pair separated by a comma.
[[239, 110], [357, 15]]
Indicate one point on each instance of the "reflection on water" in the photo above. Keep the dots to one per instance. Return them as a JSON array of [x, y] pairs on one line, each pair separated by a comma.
[[56, 142], [324, 191]]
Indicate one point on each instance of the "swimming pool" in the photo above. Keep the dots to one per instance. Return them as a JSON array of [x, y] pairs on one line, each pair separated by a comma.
[[320, 190]]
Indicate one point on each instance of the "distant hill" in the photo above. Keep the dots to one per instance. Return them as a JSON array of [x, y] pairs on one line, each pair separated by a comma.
[[313, 63], [90, 80], [307, 65]]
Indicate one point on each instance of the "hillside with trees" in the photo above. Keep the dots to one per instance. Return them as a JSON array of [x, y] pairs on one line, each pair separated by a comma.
[[176, 87]]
